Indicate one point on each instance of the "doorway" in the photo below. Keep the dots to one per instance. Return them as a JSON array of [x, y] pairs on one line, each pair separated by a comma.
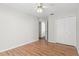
[[43, 30]]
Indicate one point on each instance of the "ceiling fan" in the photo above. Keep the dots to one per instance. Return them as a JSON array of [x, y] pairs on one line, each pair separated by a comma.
[[40, 7]]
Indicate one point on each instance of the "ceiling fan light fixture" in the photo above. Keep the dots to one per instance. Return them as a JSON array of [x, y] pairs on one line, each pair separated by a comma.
[[39, 10]]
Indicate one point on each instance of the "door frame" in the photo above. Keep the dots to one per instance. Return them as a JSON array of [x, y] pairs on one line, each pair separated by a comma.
[[46, 31]]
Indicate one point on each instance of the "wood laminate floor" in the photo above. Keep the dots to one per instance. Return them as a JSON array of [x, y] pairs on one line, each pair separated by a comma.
[[42, 48]]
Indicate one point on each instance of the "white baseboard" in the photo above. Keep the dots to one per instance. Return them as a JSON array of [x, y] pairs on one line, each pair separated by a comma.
[[17, 46], [52, 41], [78, 50]]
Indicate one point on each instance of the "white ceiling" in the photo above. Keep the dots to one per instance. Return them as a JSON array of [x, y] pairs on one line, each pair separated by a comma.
[[59, 9]]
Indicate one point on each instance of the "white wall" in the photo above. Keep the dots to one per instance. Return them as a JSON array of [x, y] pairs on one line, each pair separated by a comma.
[[62, 30], [66, 30], [51, 29], [16, 28], [77, 28]]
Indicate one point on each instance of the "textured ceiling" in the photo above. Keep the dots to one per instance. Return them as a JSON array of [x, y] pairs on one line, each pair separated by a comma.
[[58, 9]]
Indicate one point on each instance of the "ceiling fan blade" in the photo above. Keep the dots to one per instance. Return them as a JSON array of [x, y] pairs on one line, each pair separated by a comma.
[[44, 6]]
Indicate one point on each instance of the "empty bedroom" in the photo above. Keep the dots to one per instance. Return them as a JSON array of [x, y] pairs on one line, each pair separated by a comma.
[[39, 29]]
